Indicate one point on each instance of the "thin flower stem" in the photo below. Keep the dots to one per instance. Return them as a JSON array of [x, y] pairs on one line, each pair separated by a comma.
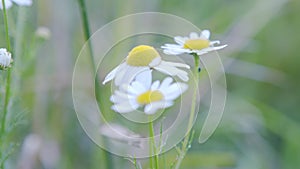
[[87, 35], [86, 29], [8, 80], [152, 147], [186, 141]]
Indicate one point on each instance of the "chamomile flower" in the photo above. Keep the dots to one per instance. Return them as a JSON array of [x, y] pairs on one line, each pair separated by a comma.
[[199, 44], [142, 58], [143, 93], [9, 3], [5, 59]]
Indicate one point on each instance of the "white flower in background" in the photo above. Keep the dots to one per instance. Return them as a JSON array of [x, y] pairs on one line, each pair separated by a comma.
[[143, 58], [143, 93], [199, 44], [9, 3], [43, 33], [5, 59]]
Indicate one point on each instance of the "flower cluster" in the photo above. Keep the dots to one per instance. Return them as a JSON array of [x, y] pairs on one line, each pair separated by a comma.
[[134, 76], [134, 79], [5, 59]]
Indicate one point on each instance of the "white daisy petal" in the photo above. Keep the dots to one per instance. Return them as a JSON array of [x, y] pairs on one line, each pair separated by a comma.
[[155, 62], [182, 75], [149, 110], [175, 90], [128, 74], [166, 70], [171, 70], [139, 87], [201, 52], [120, 96], [153, 107], [171, 46], [206, 50], [112, 74], [194, 35], [176, 49], [216, 42], [145, 78], [180, 40], [171, 52], [176, 64], [219, 47], [125, 107], [205, 34], [128, 89], [173, 95], [165, 84], [172, 88], [155, 85]]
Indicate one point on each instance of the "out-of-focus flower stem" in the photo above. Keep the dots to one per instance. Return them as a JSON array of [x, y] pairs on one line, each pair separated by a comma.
[[8, 79], [186, 142], [87, 35], [152, 148]]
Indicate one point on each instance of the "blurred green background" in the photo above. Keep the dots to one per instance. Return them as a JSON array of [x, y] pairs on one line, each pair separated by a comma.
[[260, 128]]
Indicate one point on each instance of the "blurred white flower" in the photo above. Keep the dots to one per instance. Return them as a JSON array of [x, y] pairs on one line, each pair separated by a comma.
[[143, 58], [30, 151], [5, 59], [37, 150], [199, 44], [43, 32], [143, 93], [9, 3]]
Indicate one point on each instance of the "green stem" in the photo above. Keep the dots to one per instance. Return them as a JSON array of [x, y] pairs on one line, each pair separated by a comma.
[[8, 80], [87, 35], [152, 147], [150, 144], [86, 29], [186, 142]]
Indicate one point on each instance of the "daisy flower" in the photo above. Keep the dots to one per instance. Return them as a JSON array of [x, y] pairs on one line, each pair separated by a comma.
[[143, 93], [199, 44], [9, 3], [142, 58], [5, 59]]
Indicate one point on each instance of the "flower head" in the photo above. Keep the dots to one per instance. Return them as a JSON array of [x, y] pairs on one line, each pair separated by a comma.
[[143, 93], [143, 58], [5, 59], [9, 3], [199, 44]]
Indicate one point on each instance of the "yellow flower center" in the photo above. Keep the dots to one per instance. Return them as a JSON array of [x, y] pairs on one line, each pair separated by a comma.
[[196, 44], [149, 97], [141, 55]]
